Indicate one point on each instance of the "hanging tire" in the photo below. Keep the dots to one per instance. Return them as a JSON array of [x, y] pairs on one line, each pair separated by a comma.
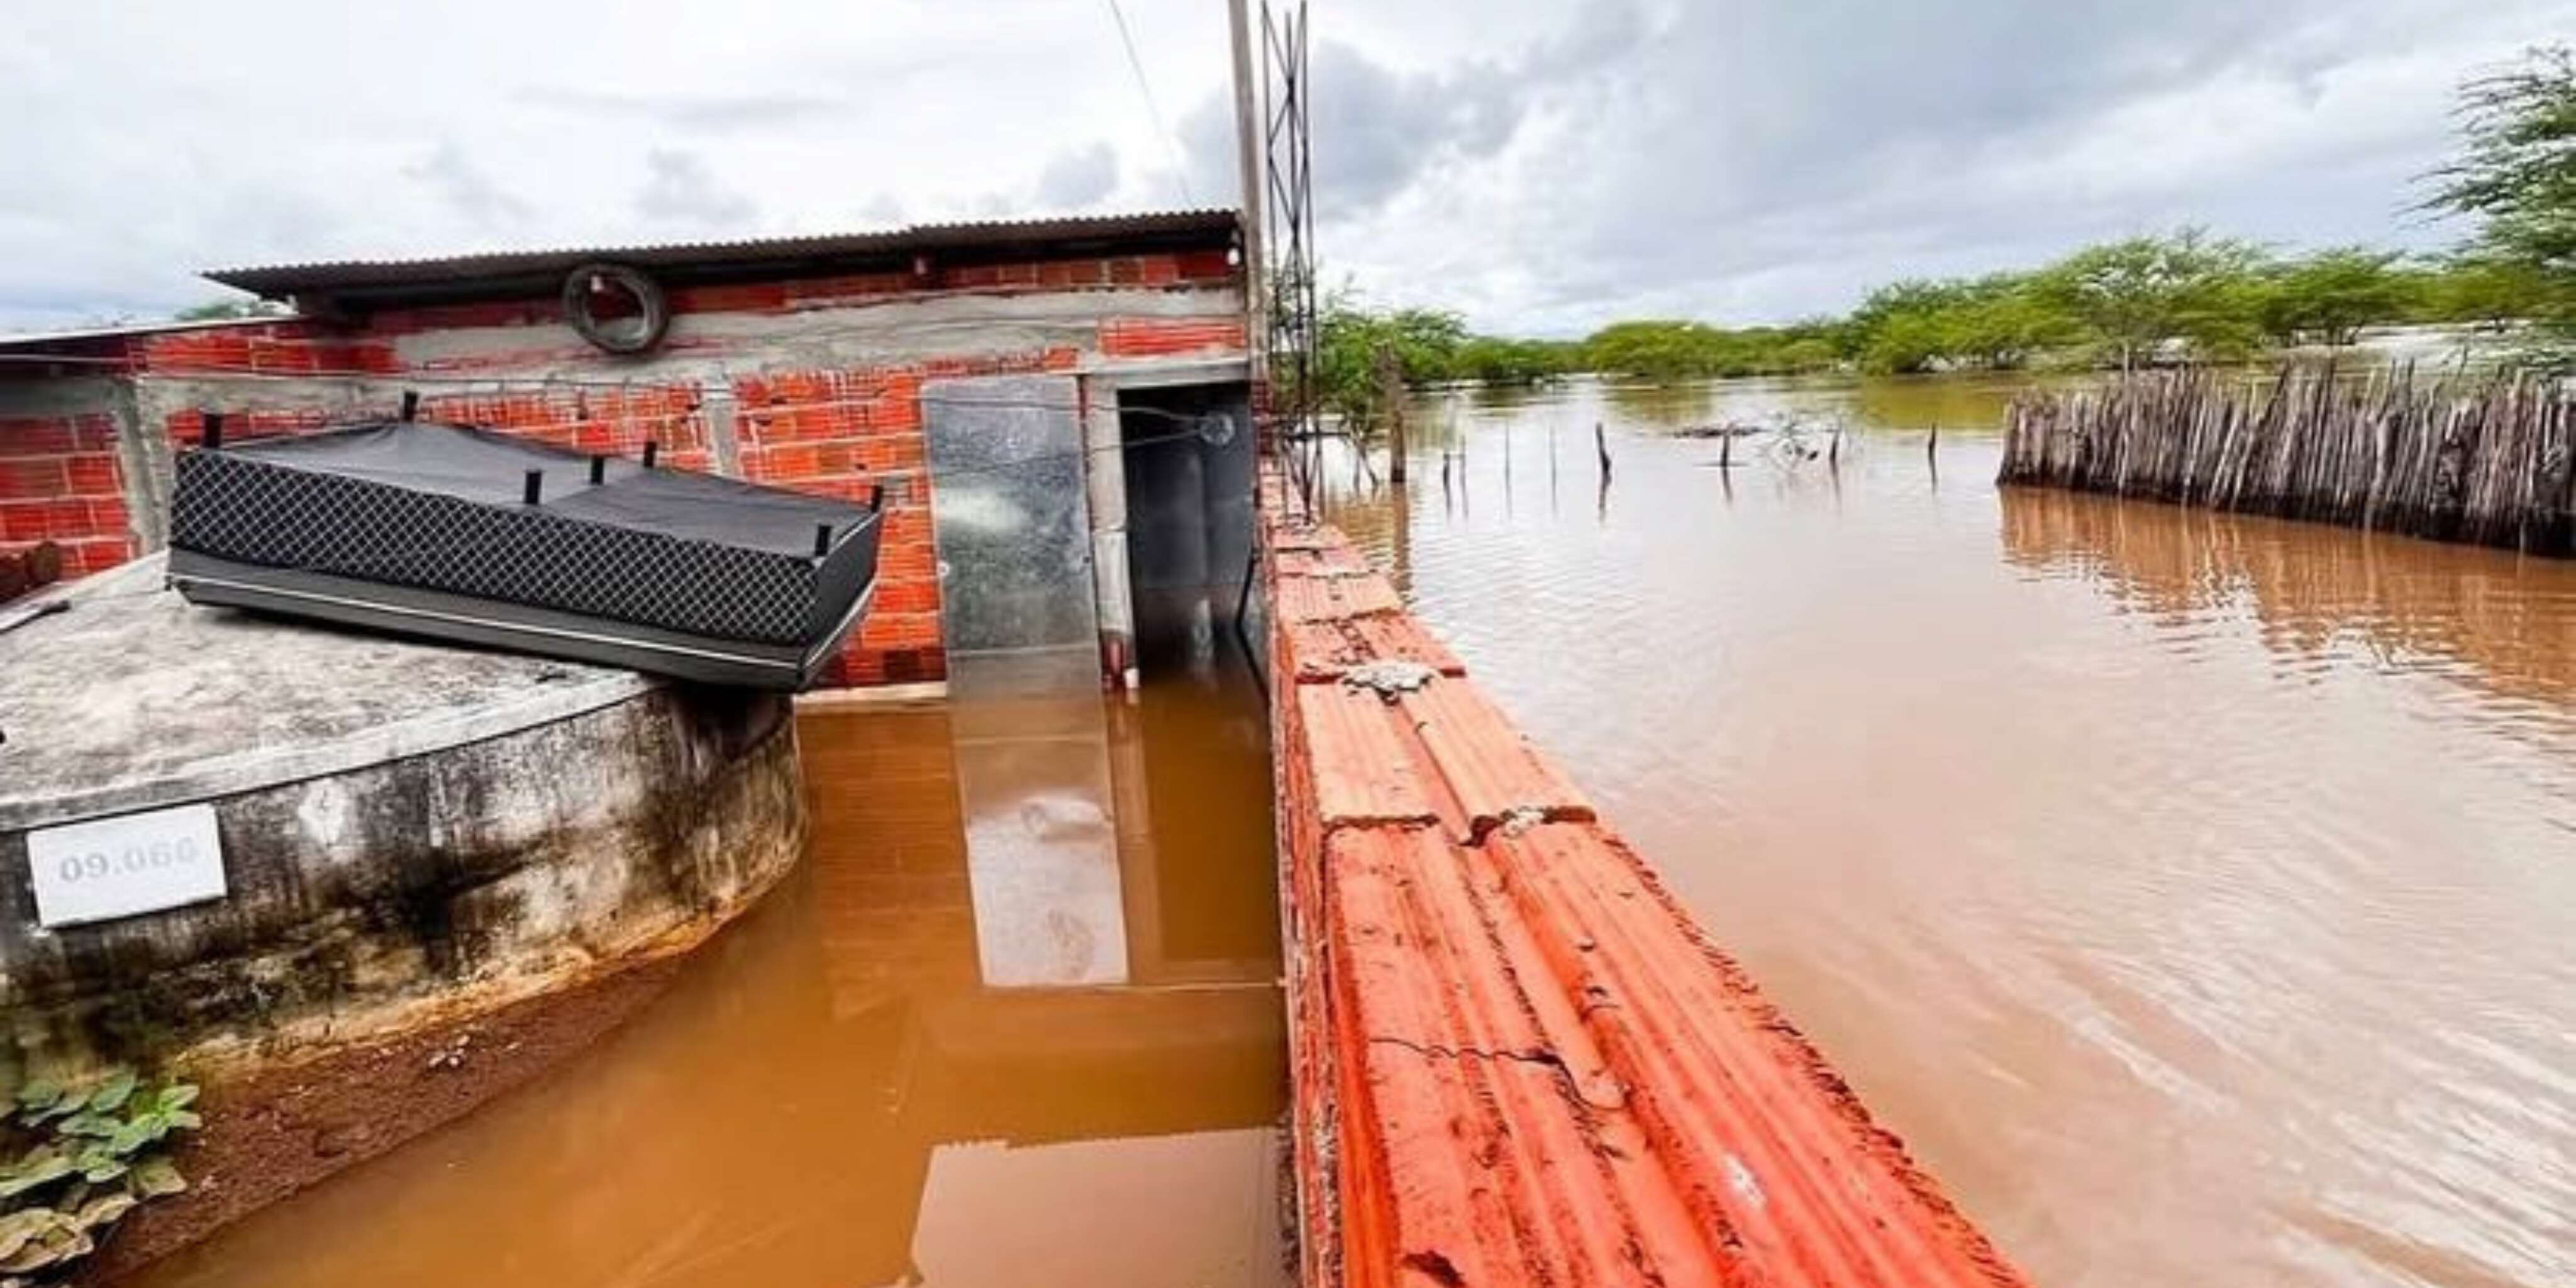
[[638, 331]]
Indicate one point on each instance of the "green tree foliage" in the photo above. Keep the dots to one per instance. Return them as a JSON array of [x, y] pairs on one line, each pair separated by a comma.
[[1429, 346], [2000, 321], [2516, 175], [1661, 350], [1350, 337], [2328, 297], [1496, 361], [226, 310], [2487, 293], [2133, 296]]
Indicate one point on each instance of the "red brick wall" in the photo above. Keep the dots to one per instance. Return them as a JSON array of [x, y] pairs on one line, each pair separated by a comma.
[[835, 432], [275, 348], [1169, 337], [1183, 269], [60, 482], [841, 433]]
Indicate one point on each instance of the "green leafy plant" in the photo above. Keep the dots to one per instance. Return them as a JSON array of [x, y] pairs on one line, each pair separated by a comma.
[[75, 1159]]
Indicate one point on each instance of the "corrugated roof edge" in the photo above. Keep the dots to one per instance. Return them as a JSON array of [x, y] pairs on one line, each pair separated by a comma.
[[24, 341], [360, 274]]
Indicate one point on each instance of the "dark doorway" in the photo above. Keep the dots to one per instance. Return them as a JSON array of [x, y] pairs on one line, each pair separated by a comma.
[[1203, 732], [1190, 467]]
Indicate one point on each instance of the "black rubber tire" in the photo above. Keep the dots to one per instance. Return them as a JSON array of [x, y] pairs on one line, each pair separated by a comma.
[[656, 308]]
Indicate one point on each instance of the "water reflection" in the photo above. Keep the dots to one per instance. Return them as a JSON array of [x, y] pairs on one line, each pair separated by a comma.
[[836, 1091], [2487, 618]]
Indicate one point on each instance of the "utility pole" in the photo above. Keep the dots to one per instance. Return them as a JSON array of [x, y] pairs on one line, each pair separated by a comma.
[[1249, 157]]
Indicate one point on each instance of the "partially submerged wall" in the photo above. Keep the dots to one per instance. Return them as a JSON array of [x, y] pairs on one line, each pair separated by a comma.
[[410, 835], [1515, 1059], [814, 383]]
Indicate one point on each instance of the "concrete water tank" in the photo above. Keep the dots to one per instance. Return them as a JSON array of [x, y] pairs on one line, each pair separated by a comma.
[[407, 834]]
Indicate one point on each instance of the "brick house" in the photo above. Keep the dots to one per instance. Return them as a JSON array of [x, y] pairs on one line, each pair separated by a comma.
[[1071, 381]]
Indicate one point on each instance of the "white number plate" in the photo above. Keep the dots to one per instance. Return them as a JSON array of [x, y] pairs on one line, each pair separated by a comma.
[[118, 867]]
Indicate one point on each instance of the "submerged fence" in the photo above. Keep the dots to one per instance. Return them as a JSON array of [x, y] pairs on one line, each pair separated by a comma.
[[2490, 460]]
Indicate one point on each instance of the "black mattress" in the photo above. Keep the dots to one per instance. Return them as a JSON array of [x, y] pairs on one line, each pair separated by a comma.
[[429, 530]]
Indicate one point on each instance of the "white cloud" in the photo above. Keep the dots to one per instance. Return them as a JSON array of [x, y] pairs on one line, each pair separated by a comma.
[[1542, 164], [680, 188], [1079, 179]]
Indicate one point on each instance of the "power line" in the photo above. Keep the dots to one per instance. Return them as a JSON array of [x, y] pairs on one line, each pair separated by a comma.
[[1144, 87]]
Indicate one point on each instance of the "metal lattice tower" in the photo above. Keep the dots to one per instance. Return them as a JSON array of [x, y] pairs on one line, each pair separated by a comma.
[[1288, 237]]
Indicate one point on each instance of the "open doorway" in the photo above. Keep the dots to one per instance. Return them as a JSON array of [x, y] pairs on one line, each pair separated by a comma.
[[1197, 722], [1190, 469]]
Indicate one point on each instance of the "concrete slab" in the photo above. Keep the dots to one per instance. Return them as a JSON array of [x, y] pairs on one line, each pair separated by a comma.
[[131, 698]]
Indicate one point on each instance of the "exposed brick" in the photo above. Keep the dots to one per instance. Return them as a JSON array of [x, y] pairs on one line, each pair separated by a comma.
[[754, 297], [24, 521], [83, 557], [1205, 265], [33, 478], [39, 436], [107, 515], [92, 474], [781, 463], [916, 596], [1162, 337]]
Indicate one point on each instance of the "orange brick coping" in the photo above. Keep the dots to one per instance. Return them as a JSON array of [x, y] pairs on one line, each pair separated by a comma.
[[1516, 1060]]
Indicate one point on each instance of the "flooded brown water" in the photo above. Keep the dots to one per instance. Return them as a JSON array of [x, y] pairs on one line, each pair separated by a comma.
[[832, 1094], [2196, 895]]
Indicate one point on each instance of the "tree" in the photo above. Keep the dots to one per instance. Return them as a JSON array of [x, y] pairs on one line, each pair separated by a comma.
[[2516, 175], [2136, 294], [2490, 294], [2331, 295], [225, 310], [1654, 350]]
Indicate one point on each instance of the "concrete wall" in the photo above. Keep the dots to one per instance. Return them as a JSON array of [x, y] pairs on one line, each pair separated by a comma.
[[432, 887], [812, 383]]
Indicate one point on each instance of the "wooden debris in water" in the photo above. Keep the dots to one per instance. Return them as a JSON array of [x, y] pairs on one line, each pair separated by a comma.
[[2486, 460]]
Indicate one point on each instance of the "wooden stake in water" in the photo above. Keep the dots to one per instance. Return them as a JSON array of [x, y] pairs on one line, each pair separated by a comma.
[[1601, 444], [1390, 385]]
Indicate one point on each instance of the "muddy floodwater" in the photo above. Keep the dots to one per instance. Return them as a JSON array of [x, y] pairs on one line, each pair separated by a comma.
[[2195, 894], [836, 1092]]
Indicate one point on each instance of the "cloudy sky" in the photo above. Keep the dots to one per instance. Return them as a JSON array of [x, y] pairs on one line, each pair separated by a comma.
[[1540, 165]]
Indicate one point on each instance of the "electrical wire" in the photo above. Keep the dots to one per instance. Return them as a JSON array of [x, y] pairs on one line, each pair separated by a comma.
[[1154, 110]]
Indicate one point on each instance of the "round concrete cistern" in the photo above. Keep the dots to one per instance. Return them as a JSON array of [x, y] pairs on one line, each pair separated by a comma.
[[408, 835]]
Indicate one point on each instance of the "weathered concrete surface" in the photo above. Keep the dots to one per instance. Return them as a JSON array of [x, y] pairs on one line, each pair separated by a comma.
[[1515, 1060], [411, 833], [132, 698]]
